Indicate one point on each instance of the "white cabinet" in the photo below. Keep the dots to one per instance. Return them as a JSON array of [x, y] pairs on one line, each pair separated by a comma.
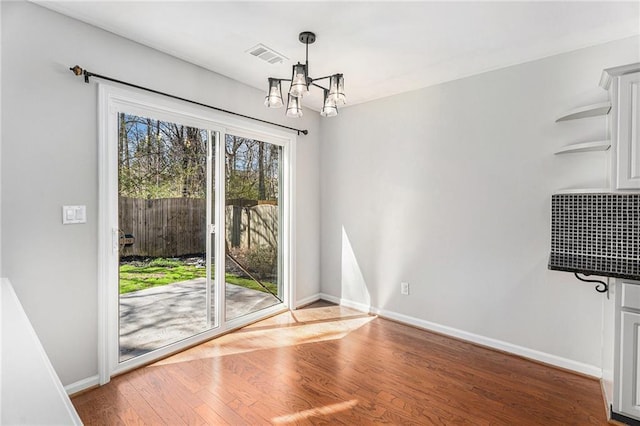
[[630, 362], [623, 84], [628, 129], [627, 387]]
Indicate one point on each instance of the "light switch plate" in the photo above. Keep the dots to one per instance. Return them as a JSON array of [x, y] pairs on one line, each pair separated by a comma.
[[74, 214]]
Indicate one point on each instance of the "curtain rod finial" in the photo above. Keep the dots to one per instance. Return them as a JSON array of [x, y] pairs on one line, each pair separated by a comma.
[[76, 70]]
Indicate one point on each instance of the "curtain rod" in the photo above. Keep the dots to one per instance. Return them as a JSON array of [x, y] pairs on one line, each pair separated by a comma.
[[77, 70]]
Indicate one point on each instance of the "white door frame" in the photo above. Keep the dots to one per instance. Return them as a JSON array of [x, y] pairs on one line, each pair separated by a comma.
[[115, 98]]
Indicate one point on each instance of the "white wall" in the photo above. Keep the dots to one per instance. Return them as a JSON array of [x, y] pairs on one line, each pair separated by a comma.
[[449, 188], [49, 159], [1, 274], [609, 341]]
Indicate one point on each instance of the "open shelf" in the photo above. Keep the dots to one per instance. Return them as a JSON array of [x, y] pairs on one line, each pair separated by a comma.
[[594, 110], [585, 147]]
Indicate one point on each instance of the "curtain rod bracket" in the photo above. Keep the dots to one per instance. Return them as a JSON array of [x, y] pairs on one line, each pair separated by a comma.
[[78, 71]]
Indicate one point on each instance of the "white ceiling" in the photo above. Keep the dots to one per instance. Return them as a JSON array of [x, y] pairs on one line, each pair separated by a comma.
[[382, 48]]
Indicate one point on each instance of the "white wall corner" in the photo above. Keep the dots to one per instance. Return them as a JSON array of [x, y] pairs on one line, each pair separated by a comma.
[[358, 306], [330, 298], [306, 301]]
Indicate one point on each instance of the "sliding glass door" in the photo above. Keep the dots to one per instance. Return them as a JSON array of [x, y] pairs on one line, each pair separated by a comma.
[[195, 226], [252, 225], [165, 211]]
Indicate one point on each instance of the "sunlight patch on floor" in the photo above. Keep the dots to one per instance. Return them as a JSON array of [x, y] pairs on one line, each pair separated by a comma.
[[315, 412], [287, 329]]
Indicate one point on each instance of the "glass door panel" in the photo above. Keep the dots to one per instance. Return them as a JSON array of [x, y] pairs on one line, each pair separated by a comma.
[[253, 217], [165, 205]]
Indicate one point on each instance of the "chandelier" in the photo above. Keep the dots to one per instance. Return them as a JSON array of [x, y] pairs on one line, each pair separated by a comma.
[[300, 84]]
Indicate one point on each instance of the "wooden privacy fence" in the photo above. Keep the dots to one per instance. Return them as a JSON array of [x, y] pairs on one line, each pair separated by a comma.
[[173, 227], [164, 227], [252, 227]]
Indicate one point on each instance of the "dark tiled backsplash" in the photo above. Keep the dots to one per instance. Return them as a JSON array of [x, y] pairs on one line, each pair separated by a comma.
[[596, 233]]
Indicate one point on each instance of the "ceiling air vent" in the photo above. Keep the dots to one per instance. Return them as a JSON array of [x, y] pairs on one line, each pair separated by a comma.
[[267, 54]]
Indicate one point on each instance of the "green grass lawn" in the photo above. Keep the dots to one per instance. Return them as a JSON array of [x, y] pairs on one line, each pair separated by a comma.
[[249, 283], [141, 275]]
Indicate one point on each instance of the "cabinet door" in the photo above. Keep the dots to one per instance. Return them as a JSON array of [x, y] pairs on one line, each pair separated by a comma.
[[630, 365], [628, 128]]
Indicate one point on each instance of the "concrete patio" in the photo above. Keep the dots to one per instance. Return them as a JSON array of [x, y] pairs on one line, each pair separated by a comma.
[[156, 317]]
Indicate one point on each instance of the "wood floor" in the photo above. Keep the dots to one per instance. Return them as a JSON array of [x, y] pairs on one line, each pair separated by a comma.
[[327, 364]]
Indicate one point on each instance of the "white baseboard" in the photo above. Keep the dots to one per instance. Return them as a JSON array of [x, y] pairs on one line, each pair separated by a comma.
[[81, 385], [568, 364]]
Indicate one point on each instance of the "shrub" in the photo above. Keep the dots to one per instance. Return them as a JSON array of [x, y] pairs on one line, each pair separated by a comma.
[[162, 262], [263, 261]]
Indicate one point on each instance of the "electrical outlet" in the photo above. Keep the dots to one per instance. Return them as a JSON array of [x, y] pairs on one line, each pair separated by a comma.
[[404, 288]]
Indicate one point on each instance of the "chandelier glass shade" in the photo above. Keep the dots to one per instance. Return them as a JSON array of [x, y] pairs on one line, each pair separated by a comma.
[[329, 107], [274, 96], [336, 89], [301, 83], [299, 86], [294, 109]]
